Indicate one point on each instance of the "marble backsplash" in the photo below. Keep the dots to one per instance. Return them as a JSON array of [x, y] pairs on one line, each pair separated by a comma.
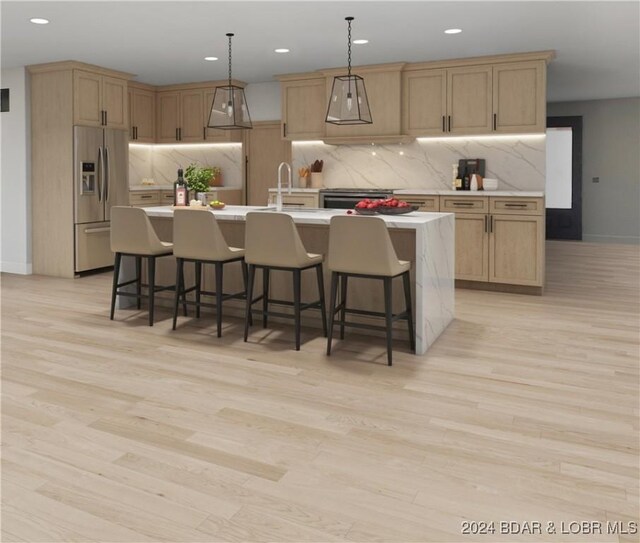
[[161, 162], [518, 162]]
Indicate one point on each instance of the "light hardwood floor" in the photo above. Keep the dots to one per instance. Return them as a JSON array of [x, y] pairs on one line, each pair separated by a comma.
[[525, 409]]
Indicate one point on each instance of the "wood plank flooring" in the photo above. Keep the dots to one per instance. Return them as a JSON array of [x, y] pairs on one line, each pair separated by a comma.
[[526, 409]]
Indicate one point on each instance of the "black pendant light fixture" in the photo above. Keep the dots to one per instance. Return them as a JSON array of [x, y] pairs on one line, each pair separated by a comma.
[[348, 103], [229, 110]]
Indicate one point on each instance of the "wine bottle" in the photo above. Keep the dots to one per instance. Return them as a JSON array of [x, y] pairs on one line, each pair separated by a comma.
[[180, 191]]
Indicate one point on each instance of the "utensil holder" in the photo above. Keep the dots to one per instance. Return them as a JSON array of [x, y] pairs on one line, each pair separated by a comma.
[[316, 180], [302, 182]]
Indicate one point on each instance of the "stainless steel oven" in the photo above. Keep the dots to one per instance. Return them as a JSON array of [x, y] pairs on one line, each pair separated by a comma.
[[348, 198]]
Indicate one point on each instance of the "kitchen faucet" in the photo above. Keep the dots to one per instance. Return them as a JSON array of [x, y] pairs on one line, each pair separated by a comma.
[[279, 194]]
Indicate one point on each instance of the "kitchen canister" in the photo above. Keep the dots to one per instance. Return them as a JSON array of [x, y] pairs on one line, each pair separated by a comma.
[[316, 180], [489, 184]]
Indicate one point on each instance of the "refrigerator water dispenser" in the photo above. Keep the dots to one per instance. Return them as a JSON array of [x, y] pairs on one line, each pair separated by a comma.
[[88, 185]]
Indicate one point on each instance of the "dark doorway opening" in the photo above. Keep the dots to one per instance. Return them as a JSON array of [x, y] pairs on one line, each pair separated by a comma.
[[566, 222]]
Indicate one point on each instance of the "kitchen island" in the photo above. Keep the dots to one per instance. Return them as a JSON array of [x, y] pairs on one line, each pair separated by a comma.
[[425, 239]]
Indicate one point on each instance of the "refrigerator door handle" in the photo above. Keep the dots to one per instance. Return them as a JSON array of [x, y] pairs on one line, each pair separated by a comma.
[[100, 173], [107, 160]]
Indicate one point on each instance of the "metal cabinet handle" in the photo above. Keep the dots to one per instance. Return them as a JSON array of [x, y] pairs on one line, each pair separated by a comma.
[[449, 123], [100, 173], [491, 224], [284, 130], [444, 128], [515, 205], [146, 196], [495, 123], [97, 230], [486, 223], [204, 132], [106, 118], [467, 204]]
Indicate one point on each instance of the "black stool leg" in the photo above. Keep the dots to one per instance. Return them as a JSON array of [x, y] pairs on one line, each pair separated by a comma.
[[388, 299], [139, 281], [184, 295], [332, 309], [114, 287], [407, 297], [245, 279], [265, 295], [251, 275], [198, 287], [179, 289], [219, 297], [152, 286], [343, 300], [323, 309], [296, 305]]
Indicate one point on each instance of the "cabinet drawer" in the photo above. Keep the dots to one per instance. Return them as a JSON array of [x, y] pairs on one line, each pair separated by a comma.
[[305, 200], [524, 206], [144, 198], [166, 197], [424, 203], [460, 204]]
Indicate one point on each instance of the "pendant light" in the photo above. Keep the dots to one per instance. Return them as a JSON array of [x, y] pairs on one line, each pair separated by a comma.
[[229, 110], [348, 103]]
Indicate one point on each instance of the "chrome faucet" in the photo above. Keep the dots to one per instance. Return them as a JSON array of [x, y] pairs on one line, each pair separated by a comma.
[[279, 194]]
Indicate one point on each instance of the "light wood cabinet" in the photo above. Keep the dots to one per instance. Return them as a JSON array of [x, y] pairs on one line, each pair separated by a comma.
[[142, 115], [498, 239], [99, 100], [424, 102], [304, 108], [424, 202], [168, 117], [144, 198], [519, 102], [191, 126], [469, 100], [297, 199]]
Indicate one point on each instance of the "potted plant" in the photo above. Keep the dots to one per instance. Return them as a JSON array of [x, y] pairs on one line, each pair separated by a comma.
[[198, 178]]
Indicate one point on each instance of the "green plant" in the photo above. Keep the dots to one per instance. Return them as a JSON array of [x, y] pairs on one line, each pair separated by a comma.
[[198, 178]]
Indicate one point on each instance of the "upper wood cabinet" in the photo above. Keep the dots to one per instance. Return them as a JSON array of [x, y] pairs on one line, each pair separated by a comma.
[[519, 101], [142, 115], [424, 102], [469, 100], [168, 117], [304, 107], [99, 100], [191, 116]]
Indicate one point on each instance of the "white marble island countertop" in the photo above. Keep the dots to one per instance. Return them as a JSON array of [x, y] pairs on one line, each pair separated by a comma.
[[434, 265], [170, 187], [436, 192]]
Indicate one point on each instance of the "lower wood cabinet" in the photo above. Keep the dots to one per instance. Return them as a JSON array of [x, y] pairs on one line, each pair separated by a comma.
[[299, 199], [504, 245], [424, 202], [144, 198]]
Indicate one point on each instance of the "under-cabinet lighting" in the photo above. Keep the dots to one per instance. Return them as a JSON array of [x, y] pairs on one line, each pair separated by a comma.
[[184, 145], [495, 137], [308, 142]]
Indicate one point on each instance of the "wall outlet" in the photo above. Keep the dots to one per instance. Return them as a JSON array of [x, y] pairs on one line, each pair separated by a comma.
[[595, 179]]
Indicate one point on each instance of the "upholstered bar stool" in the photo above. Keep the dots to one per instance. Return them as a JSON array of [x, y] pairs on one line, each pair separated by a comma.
[[197, 238], [133, 235], [362, 247], [272, 242]]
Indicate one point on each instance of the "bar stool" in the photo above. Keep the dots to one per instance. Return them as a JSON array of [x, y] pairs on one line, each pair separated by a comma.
[[361, 247], [272, 242], [197, 238], [133, 235]]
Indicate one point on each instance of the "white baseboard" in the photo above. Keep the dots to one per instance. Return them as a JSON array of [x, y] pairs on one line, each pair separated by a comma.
[[20, 268], [597, 238]]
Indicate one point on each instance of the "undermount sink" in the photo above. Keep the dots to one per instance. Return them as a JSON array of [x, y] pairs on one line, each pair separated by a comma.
[[293, 208]]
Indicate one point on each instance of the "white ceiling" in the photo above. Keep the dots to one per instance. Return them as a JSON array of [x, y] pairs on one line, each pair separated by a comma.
[[597, 43]]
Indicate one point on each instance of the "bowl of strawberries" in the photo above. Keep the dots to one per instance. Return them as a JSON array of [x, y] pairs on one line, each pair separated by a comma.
[[388, 206], [367, 207]]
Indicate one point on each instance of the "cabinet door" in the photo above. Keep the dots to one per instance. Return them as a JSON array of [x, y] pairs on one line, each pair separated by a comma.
[[143, 114], [304, 107], [216, 135], [168, 116], [516, 249], [383, 92], [519, 97], [424, 103], [114, 102], [472, 246], [469, 100], [87, 98], [192, 114], [132, 133]]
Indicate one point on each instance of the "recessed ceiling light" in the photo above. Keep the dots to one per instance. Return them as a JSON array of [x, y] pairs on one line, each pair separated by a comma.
[[453, 31], [211, 59], [39, 21], [360, 42], [281, 50]]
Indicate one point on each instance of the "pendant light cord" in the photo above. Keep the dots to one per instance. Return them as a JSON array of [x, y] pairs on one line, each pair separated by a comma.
[[349, 19], [230, 36]]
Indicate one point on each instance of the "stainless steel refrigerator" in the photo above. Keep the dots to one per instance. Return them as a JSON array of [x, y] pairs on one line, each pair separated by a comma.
[[101, 168]]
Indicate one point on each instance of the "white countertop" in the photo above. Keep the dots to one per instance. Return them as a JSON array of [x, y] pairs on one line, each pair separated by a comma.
[[297, 189], [170, 187], [436, 192], [411, 220]]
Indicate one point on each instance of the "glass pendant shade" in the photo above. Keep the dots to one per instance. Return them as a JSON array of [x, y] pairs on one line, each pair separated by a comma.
[[348, 103], [229, 110]]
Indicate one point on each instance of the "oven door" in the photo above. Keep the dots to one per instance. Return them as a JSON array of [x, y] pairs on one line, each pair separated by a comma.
[[340, 202]]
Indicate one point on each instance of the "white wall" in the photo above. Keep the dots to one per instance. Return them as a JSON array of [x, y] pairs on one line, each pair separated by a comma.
[[15, 180], [264, 101]]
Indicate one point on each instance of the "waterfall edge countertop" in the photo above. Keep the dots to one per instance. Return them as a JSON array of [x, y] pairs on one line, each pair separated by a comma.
[[433, 279]]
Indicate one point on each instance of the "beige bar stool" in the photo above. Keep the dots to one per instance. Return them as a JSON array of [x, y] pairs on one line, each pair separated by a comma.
[[133, 235], [272, 242], [361, 247], [197, 238]]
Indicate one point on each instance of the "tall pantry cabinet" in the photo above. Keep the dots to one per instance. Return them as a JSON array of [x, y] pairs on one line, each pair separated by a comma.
[[64, 94]]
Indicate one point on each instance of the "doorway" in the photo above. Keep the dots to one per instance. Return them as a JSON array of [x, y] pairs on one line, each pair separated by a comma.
[[563, 189]]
